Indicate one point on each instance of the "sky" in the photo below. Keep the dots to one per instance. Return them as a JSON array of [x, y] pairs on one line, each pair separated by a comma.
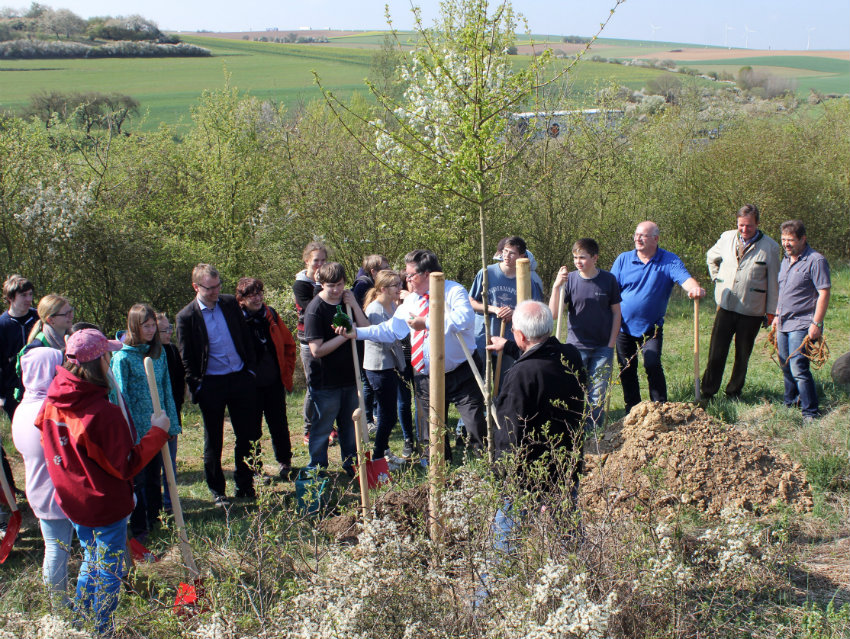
[[760, 24]]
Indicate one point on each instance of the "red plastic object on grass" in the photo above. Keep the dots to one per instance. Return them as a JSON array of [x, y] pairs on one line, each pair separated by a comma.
[[377, 471]]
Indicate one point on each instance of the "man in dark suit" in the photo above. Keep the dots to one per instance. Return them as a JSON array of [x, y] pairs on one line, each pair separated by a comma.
[[215, 346]]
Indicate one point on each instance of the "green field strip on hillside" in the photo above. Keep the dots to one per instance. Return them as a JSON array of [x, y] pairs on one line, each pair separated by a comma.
[[810, 63], [779, 71], [307, 51]]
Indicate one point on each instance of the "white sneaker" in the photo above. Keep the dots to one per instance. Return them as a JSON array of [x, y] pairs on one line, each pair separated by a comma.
[[372, 427], [394, 459]]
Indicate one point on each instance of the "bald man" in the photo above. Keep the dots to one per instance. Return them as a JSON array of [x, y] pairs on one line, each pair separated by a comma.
[[646, 277]]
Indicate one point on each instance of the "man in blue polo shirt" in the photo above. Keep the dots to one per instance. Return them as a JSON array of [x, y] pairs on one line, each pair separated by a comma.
[[646, 277], [804, 287]]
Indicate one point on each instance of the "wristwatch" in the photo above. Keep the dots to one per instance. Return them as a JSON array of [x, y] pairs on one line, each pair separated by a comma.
[[818, 324]]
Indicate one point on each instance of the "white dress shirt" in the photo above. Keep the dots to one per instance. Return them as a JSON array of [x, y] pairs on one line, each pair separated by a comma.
[[459, 320]]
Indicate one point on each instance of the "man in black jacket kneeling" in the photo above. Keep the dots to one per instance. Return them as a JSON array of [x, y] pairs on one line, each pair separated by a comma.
[[540, 406]]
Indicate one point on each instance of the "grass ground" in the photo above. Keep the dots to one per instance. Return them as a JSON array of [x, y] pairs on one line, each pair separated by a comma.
[[819, 572]]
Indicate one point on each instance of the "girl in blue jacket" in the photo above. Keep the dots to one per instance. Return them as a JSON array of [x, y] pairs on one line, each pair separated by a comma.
[[142, 340]]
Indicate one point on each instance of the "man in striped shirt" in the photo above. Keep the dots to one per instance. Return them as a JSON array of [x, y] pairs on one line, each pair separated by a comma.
[[411, 318]]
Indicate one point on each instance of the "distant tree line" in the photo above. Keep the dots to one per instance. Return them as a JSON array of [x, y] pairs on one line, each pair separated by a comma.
[[43, 32]]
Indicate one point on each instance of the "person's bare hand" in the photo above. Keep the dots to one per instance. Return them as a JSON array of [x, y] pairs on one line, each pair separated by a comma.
[[348, 298], [417, 323], [344, 332], [561, 277], [498, 344], [815, 332], [505, 313]]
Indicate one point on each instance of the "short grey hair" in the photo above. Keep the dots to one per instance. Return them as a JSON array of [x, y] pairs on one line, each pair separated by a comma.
[[534, 320]]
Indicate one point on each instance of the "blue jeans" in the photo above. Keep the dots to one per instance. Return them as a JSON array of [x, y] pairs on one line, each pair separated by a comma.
[[404, 402], [99, 582], [57, 535], [799, 383], [385, 391], [333, 405], [598, 363]]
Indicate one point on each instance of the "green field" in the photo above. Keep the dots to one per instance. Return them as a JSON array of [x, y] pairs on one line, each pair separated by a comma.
[[168, 87], [827, 75]]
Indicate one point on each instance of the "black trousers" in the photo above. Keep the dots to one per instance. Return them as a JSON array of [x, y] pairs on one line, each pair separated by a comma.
[[727, 324], [462, 391], [146, 485], [271, 402], [649, 344], [237, 393]]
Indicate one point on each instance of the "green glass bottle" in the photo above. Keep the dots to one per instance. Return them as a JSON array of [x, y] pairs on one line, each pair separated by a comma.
[[341, 319]]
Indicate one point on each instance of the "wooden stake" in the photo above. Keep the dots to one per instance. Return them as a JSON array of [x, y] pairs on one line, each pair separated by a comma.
[[171, 480], [437, 401], [498, 374], [361, 431], [697, 395], [523, 280]]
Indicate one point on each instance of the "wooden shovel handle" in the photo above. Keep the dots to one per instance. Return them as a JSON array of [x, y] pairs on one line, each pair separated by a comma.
[[360, 429], [171, 480]]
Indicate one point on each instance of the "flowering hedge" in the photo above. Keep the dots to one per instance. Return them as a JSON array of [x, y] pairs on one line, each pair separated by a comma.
[[35, 49]]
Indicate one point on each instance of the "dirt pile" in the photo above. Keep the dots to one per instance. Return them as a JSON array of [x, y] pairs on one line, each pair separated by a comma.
[[662, 455]]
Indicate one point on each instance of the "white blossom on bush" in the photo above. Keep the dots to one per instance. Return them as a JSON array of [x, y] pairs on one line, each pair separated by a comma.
[[55, 213], [733, 546], [558, 606]]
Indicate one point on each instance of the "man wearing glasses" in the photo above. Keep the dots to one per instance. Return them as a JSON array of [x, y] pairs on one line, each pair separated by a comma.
[[217, 352], [411, 318], [501, 295], [646, 277]]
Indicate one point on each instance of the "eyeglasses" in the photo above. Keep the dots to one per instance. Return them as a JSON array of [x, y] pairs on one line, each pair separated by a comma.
[[410, 276], [65, 314], [211, 288], [644, 236], [170, 329], [250, 295]]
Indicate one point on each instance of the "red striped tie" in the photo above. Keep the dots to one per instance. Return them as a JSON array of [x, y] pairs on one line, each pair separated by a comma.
[[417, 344]]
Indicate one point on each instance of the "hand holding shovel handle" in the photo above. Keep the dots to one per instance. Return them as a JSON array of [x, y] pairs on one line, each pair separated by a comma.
[[185, 548], [498, 363]]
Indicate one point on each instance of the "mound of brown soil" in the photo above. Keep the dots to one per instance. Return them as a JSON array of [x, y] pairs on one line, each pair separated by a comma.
[[662, 455]]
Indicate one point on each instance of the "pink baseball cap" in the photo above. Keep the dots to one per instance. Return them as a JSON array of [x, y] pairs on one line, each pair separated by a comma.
[[88, 345]]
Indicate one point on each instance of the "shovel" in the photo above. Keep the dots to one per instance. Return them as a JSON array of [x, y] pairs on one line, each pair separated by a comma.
[[189, 599], [359, 418], [13, 526], [696, 351]]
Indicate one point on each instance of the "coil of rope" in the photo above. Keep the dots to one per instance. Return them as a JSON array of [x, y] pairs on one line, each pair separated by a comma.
[[816, 351]]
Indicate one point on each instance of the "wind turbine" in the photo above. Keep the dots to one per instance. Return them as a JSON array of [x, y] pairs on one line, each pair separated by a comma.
[[654, 29], [726, 35], [748, 31], [809, 39]]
